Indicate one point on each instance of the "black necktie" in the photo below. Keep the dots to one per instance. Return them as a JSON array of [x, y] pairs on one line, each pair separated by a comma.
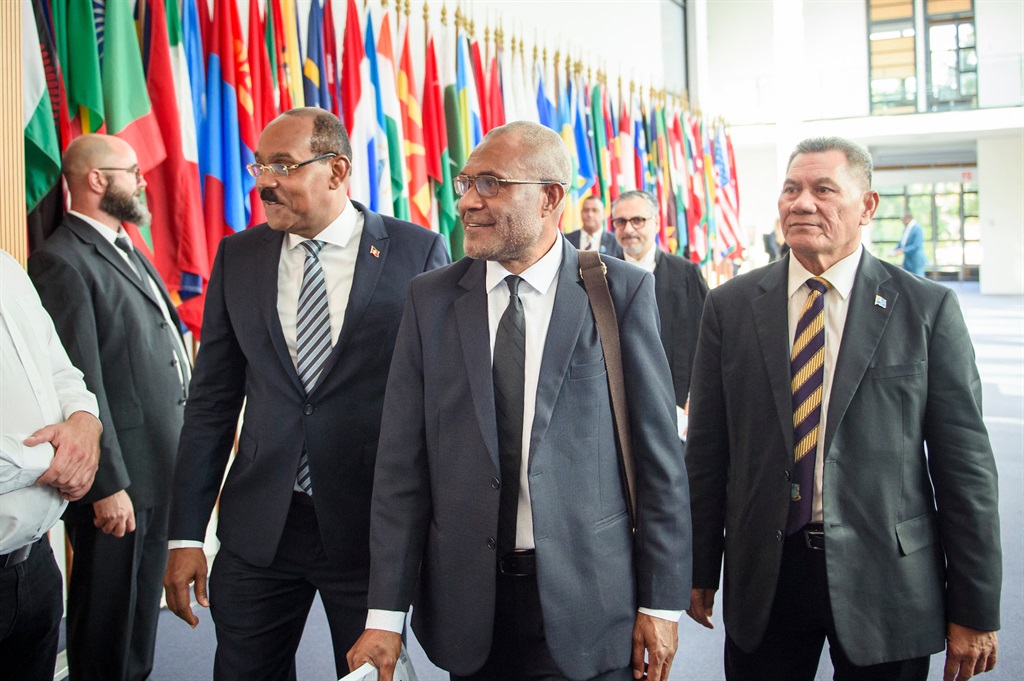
[[509, 370], [133, 257]]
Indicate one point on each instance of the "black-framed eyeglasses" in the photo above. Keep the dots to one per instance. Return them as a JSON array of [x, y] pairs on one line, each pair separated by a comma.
[[487, 185], [282, 169], [637, 222], [131, 169]]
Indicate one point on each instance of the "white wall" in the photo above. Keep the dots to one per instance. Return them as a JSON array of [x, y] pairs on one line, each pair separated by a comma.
[[999, 25], [1001, 209]]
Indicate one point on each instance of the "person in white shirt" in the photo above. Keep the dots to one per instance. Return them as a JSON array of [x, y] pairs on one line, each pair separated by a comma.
[[49, 451]]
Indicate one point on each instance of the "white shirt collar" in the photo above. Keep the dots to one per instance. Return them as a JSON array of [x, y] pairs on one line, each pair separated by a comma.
[[645, 261], [841, 275], [338, 233], [539, 275], [104, 230]]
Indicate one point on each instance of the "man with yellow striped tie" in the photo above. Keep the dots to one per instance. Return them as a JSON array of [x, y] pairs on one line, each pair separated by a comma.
[[837, 455]]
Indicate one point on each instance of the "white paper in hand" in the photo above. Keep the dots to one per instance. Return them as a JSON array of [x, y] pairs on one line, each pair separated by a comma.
[[403, 671]]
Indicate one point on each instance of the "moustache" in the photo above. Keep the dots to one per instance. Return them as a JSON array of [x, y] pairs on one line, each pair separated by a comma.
[[268, 195]]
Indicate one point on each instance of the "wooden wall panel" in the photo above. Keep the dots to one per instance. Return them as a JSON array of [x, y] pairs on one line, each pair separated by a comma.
[[13, 237]]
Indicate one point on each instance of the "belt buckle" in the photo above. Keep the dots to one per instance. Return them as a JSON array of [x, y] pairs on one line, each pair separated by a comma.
[[514, 563], [814, 537]]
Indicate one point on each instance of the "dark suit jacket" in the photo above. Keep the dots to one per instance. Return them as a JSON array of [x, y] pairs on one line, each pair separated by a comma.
[[680, 289], [435, 505], [609, 246], [115, 332], [902, 559], [244, 355]]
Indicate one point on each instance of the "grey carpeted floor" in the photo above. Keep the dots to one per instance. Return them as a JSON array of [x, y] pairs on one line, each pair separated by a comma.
[[997, 327]]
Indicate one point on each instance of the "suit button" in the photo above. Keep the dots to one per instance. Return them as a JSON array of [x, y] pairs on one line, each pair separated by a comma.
[[181, 402], [174, 362], [163, 325], [495, 483], [491, 544], [778, 535], [308, 409], [787, 476]]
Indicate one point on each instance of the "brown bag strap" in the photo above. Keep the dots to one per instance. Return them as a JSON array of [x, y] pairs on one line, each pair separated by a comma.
[[593, 273]]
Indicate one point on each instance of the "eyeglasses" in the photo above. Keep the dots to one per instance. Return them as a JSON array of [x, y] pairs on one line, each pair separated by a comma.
[[487, 185], [282, 169], [637, 222], [133, 169]]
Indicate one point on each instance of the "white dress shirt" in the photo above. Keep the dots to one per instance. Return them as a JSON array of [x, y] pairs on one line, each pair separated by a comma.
[[40, 387], [184, 369], [591, 242], [837, 303], [338, 261], [537, 292]]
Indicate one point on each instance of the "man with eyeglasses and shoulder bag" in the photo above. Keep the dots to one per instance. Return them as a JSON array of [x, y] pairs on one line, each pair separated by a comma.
[[498, 498], [119, 327], [679, 288], [300, 321]]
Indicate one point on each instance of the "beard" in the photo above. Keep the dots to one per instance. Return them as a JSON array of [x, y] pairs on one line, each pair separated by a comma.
[[509, 240], [124, 206]]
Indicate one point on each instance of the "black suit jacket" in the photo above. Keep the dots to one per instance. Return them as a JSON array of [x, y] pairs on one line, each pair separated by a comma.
[[680, 290], [609, 246], [116, 334], [911, 534], [244, 356]]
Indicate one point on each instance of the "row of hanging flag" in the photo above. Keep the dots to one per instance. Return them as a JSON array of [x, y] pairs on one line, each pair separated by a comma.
[[181, 82]]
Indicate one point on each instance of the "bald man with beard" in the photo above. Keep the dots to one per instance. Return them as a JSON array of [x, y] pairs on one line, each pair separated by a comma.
[[117, 322]]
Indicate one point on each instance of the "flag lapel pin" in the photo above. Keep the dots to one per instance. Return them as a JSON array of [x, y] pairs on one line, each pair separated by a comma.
[[375, 253], [880, 302]]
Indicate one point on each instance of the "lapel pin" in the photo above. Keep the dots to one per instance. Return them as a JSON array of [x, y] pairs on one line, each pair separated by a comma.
[[880, 302], [375, 253]]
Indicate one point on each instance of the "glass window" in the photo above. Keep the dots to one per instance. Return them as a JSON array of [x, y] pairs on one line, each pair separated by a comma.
[[891, 52], [952, 55]]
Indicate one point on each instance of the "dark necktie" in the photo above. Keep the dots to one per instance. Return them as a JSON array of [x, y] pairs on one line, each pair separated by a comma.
[[312, 335], [808, 372], [133, 257], [509, 369]]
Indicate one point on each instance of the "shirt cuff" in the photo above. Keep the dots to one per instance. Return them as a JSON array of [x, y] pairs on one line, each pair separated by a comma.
[[670, 615], [386, 620], [184, 544], [26, 463]]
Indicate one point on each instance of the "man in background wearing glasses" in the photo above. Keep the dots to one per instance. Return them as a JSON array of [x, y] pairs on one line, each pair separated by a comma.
[[117, 322], [679, 288], [300, 321], [498, 497]]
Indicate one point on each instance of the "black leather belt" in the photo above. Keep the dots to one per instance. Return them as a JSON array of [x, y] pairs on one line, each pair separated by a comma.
[[519, 563], [16, 557], [814, 536]]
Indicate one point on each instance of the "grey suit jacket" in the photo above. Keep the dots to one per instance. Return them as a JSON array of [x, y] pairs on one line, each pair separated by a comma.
[[435, 504], [680, 290], [116, 334], [244, 356], [911, 534]]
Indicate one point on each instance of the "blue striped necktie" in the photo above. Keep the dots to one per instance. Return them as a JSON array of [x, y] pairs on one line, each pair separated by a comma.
[[312, 335], [808, 372]]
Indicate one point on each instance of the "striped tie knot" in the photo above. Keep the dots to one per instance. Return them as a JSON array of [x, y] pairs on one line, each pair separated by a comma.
[[313, 247], [819, 284]]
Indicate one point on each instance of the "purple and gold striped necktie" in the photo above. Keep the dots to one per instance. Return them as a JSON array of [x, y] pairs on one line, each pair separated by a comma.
[[808, 371]]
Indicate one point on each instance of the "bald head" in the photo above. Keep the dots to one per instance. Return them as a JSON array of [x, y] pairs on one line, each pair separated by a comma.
[[542, 153], [102, 177]]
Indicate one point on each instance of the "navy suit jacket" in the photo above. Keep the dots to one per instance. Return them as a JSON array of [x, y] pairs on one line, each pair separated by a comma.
[[911, 534], [244, 356], [609, 246], [435, 504], [115, 332]]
